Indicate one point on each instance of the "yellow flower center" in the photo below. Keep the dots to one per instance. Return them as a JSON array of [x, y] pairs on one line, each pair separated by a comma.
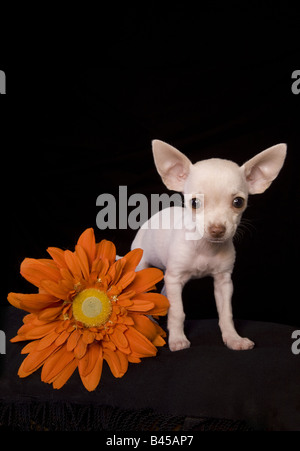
[[92, 307]]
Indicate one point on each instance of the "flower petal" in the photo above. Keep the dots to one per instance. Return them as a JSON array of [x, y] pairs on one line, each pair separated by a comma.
[[140, 306], [132, 258], [58, 256], [32, 332], [113, 361], [80, 348], [91, 380], [57, 290], [47, 340], [37, 270], [35, 359], [50, 313], [83, 261], [62, 338], [87, 363], [73, 339], [56, 363], [145, 326], [160, 302], [31, 302], [88, 336], [126, 280], [65, 374], [139, 344], [118, 338], [106, 249], [87, 242], [145, 279], [73, 264]]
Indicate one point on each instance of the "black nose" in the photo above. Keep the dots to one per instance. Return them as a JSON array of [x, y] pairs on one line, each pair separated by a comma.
[[217, 230]]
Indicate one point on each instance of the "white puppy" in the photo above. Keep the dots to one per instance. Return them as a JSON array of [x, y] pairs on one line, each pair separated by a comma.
[[200, 243]]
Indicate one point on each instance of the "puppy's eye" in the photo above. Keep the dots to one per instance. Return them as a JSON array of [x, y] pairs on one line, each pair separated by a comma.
[[195, 203], [238, 202]]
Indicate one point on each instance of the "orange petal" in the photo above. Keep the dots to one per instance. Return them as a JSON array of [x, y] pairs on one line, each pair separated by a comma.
[[132, 258], [50, 313], [146, 279], [106, 250], [57, 290], [83, 261], [92, 380], [115, 270], [35, 359], [37, 270], [31, 347], [133, 359], [73, 340], [56, 363], [58, 256], [126, 280], [145, 326], [30, 302], [47, 340], [139, 344], [73, 264], [158, 341], [87, 363], [80, 348], [87, 242], [118, 338], [161, 303], [140, 306], [32, 332], [62, 338], [123, 361], [88, 336], [113, 361], [65, 374]]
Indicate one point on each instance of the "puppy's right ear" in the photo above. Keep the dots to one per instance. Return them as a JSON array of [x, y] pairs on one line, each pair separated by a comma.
[[172, 165]]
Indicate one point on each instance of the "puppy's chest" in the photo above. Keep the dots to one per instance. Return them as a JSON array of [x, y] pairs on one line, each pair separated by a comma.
[[203, 265]]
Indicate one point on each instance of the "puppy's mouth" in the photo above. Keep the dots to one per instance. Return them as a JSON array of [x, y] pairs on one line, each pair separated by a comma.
[[216, 240]]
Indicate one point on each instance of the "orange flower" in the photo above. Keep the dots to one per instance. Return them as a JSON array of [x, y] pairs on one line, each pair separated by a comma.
[[90, 307]]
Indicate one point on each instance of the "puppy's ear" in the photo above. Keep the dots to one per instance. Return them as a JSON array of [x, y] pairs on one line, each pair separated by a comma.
[[172, 165], [262, 169]]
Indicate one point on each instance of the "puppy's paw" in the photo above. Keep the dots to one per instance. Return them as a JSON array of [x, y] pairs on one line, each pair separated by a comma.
[[239, 343], [178, 343]]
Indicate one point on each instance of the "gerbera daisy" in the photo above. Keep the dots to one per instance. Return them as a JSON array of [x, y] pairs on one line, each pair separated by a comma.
[[90, 307]]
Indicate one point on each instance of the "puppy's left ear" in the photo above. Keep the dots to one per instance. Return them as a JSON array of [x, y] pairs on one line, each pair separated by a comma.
[[262, 169]]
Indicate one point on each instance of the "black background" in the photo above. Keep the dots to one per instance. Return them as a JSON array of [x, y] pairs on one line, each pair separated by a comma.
[[213, 81]]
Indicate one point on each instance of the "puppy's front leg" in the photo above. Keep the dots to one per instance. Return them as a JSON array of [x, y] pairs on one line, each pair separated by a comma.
[[223, 288], [176, 316]]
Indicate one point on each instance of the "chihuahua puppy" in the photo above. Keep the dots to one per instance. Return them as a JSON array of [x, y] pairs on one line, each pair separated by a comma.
[[215, 193]]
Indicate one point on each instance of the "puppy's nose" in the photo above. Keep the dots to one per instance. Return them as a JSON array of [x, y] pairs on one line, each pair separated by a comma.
[[217, 230]]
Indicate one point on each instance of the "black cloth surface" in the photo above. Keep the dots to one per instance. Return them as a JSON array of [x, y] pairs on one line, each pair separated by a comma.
[[260, 387]]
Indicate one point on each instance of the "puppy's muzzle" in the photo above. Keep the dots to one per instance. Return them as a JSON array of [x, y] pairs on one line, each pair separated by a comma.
[[217, 231]]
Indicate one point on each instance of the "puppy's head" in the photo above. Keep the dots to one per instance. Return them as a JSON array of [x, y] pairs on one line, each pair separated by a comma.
[[217, 190]]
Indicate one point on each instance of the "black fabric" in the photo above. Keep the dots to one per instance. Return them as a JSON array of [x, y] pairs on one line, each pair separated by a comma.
[[259, 389]]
